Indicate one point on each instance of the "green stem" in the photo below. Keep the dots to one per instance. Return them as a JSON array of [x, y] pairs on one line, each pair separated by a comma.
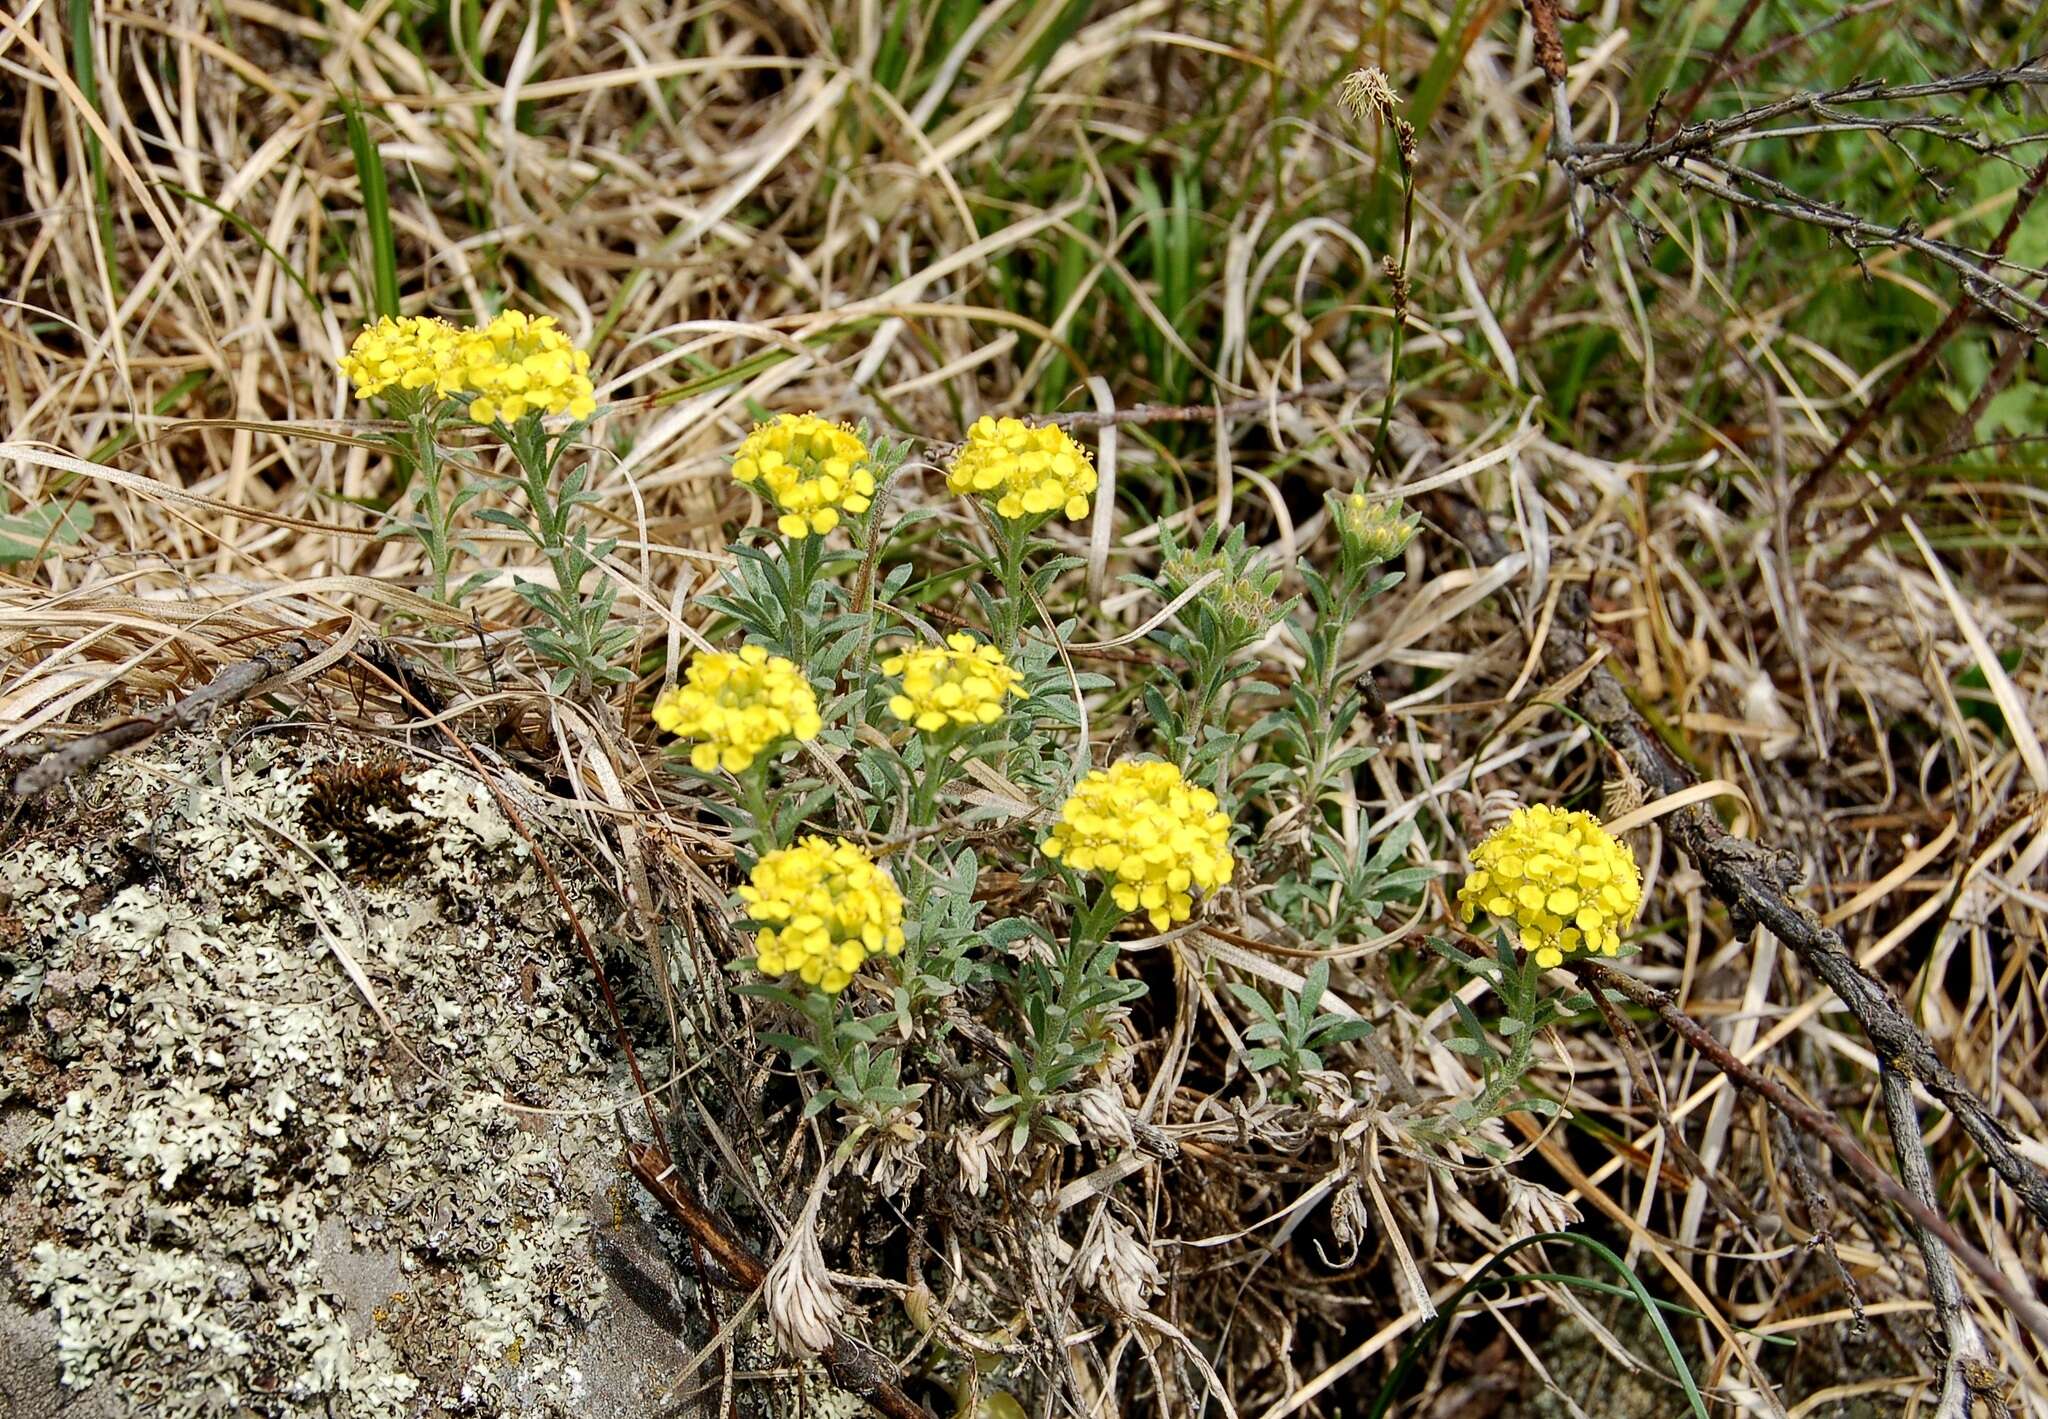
[[426, 496], [937, 771], [801, 557], [1013, 541], [1095, 920], [753, 782]]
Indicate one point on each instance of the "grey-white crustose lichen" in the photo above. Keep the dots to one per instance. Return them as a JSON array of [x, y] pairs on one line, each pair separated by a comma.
[[234, 1188]]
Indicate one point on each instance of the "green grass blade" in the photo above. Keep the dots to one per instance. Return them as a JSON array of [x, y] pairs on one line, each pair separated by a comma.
[[1443, 67], [85, 71], [250, 230], [376, 211], [1425, 1343]]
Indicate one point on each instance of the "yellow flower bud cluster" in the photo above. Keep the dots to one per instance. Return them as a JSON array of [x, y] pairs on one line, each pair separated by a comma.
[[1376, 531], [1028, 471], [1562, 878], [811, 469], [823, 908], [738, 706], [963, 682], [520, 363], [515, 365], [1151, 834]]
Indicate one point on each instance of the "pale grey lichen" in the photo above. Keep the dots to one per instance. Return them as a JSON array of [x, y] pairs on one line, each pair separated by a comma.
[[238, 1191]]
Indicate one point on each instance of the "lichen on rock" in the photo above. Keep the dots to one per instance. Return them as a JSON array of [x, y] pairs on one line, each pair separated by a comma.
[[290, 1136]]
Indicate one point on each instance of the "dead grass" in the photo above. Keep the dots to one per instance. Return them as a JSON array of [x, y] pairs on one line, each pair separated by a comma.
[[783, 206]]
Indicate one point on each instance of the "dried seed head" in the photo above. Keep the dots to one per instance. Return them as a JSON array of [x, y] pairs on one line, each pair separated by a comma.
[[1349, 1222], [1365, 93], [1118, 1267], [803, 1304], [890, 1157], [971, 1151], [1535, 1208], [1103, 1114]]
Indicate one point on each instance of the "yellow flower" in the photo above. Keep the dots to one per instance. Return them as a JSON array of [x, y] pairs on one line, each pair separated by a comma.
[[516, 364], [519, 364], [811, 469], [965, 682], [823, 908], [1562, 878], [1028, 471], [1142, 826], [737, 706], [411, 352]]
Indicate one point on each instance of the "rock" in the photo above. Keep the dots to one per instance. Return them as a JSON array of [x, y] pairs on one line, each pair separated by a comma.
[[298, 1122]]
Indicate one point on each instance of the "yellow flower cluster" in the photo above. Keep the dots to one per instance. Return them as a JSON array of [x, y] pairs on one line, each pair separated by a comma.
[[1029, 471], [521, 362], [1562, 878], [516, 364], [823, 908], [1142, 825], [737, 706], [963, 682], [409, 352], [811, 469]]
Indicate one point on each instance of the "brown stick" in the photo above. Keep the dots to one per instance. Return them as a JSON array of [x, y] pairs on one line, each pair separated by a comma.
[[854, 1367], [1540, 299], [1755, 882], [2028, 1311], [1903, 377], [232, 685]]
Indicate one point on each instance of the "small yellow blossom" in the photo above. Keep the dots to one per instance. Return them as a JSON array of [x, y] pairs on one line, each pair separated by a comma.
[[965, 682], [737, 706], [1154, 836], [410, 352], [811, 469], [516, 364], [1028, 470], [1562, 878], [521, 363], [1376, 531], [823, 908]]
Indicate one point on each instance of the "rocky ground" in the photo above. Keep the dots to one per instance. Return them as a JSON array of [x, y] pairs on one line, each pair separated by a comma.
[[305, 1104]]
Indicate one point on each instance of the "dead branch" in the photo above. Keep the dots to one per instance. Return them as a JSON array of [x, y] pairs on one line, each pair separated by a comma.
[[1907, 373], [52, 766], [1821, 1125], [1591, 161], [854, 1367]]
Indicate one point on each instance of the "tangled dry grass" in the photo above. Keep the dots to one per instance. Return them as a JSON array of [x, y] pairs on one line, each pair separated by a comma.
[[917, 214]]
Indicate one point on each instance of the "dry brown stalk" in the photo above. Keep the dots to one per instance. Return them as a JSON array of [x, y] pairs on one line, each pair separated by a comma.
[[1821, 1125], [51, 766], [854, 1367]]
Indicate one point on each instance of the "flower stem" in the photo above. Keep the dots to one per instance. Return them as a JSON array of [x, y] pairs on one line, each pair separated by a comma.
[[1096, 918], [801, 557], [1006, 618], [425, 452], [753, 782], [936, 773]]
